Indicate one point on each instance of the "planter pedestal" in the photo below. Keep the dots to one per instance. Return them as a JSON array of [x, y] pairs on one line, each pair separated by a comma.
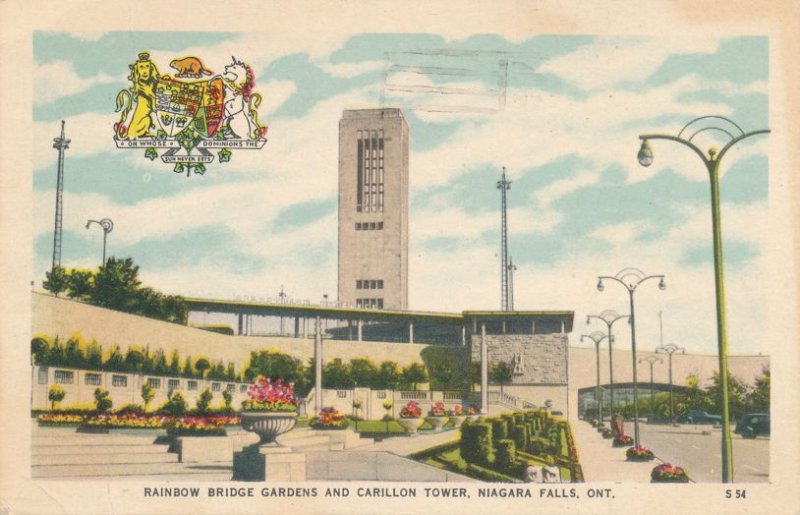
[[267, 460], [410, 424], [457, 420], [436, 422]]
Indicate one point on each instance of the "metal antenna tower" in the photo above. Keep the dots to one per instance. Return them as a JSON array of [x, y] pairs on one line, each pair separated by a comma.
[[511, 268], [61, 144], [504, 185]]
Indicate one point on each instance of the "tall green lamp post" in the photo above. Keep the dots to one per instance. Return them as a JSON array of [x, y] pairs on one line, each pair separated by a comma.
[[631, 278], [609, 316], [596, 338], [735, 134]]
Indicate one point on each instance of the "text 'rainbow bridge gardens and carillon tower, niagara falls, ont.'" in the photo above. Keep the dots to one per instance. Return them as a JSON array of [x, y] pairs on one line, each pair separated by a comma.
[[196, 386]]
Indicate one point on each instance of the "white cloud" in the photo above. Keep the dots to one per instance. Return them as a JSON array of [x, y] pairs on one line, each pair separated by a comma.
[[611, 61], [57, 79]]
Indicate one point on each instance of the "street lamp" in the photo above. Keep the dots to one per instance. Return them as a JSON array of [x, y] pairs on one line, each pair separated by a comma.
[[652, 360], [670, 349], [608, 316], [597, 337], [631, 278], [645, 156], [107, 225]]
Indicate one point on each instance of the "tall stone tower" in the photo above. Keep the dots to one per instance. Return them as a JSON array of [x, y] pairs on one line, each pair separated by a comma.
[[373, 209]]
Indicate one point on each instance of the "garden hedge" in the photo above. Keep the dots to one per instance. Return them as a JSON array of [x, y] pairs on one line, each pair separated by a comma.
[[476, 443]]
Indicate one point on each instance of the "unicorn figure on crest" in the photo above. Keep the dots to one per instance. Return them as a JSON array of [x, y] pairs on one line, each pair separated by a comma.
[[240, 115]]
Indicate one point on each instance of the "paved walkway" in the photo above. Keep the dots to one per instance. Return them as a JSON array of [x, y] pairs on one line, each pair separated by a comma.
[[602, 462]]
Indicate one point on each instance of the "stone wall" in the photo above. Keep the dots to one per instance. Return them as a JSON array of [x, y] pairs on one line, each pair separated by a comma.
[[53, 316], [533, 358]]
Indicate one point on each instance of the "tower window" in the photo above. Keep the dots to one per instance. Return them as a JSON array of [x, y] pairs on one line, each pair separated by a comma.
[[369, 181]]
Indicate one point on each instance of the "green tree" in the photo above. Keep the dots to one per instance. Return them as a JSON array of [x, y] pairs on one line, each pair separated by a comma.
[[160, 363], [414, 374], [230, 373], [116, 284], [389, 375], [39, 348], [148, 392], [55, 394], [73, 354], [201, 365], [758, 400], [363, 372], [55, 353], [135, 359], [188, 370], [80, 284], [336, 374], [175, 310], [115, 361], [500, 374], [56, 280], [175, 363], [737, 395], [273, 364], [94, 356], [227, 397]]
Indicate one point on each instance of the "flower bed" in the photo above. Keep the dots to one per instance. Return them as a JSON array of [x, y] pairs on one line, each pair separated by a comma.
[[622, 441], [195, 426], [154, 421], [329, 418], [639, 453], [668, 473], [59, 420]]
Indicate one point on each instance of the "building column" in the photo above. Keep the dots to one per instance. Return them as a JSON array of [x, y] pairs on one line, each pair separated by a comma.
[[297, 327], [484, 372], [305, 328], [241, 324], [317, 367], [359, 330], [563, 329], [411, 332], [463, 336]]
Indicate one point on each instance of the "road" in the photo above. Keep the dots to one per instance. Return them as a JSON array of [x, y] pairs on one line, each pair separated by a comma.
[[697, 448]]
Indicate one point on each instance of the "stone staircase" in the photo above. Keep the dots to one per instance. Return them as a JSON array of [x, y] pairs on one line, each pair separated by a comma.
[[61, 453], [304, 440]]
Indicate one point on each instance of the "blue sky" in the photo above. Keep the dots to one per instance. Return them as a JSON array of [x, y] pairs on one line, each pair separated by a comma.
[[562, 113]]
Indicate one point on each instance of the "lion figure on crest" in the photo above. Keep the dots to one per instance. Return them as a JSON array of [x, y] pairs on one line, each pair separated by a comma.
[[144, 77], [240, 118]]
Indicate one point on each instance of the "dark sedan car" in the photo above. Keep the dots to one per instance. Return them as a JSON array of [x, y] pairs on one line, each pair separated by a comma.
[[753, 424], [697, 416]]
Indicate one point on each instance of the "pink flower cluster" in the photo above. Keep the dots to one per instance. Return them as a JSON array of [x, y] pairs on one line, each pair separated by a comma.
[[472, 410], [411, 410], [437, 410], [456, 411], [271, 395]]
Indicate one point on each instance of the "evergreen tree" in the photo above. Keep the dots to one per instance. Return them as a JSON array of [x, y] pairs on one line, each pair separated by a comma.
[[80, 284], [94, 356], [175, 363], [188, 370], [115, 361], [413, 374], [201, 365], [56, 280]]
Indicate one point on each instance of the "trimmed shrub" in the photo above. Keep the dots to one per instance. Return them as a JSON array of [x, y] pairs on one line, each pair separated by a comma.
[[521, 436], [506, 454], [476, 443], [499, 429], [175, 406], [55, 394], [102, 400], [204, 401]]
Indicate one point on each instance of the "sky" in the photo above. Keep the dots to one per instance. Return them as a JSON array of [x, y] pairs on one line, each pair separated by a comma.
[[561, 113]]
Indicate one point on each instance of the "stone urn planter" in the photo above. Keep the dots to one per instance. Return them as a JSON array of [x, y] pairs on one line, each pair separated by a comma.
[[473, 418], [268, 424], [411, 425], [436, 422], [457, 420]]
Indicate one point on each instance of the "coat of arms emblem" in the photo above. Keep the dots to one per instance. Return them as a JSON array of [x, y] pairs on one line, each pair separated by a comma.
[[191, 115]]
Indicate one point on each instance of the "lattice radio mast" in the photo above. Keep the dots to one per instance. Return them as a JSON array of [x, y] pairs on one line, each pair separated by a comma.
[[61, 144], [504, 185], [511, 268]]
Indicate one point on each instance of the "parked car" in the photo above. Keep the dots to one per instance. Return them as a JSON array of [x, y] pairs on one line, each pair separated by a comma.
[[753, 424], [697, 416]]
